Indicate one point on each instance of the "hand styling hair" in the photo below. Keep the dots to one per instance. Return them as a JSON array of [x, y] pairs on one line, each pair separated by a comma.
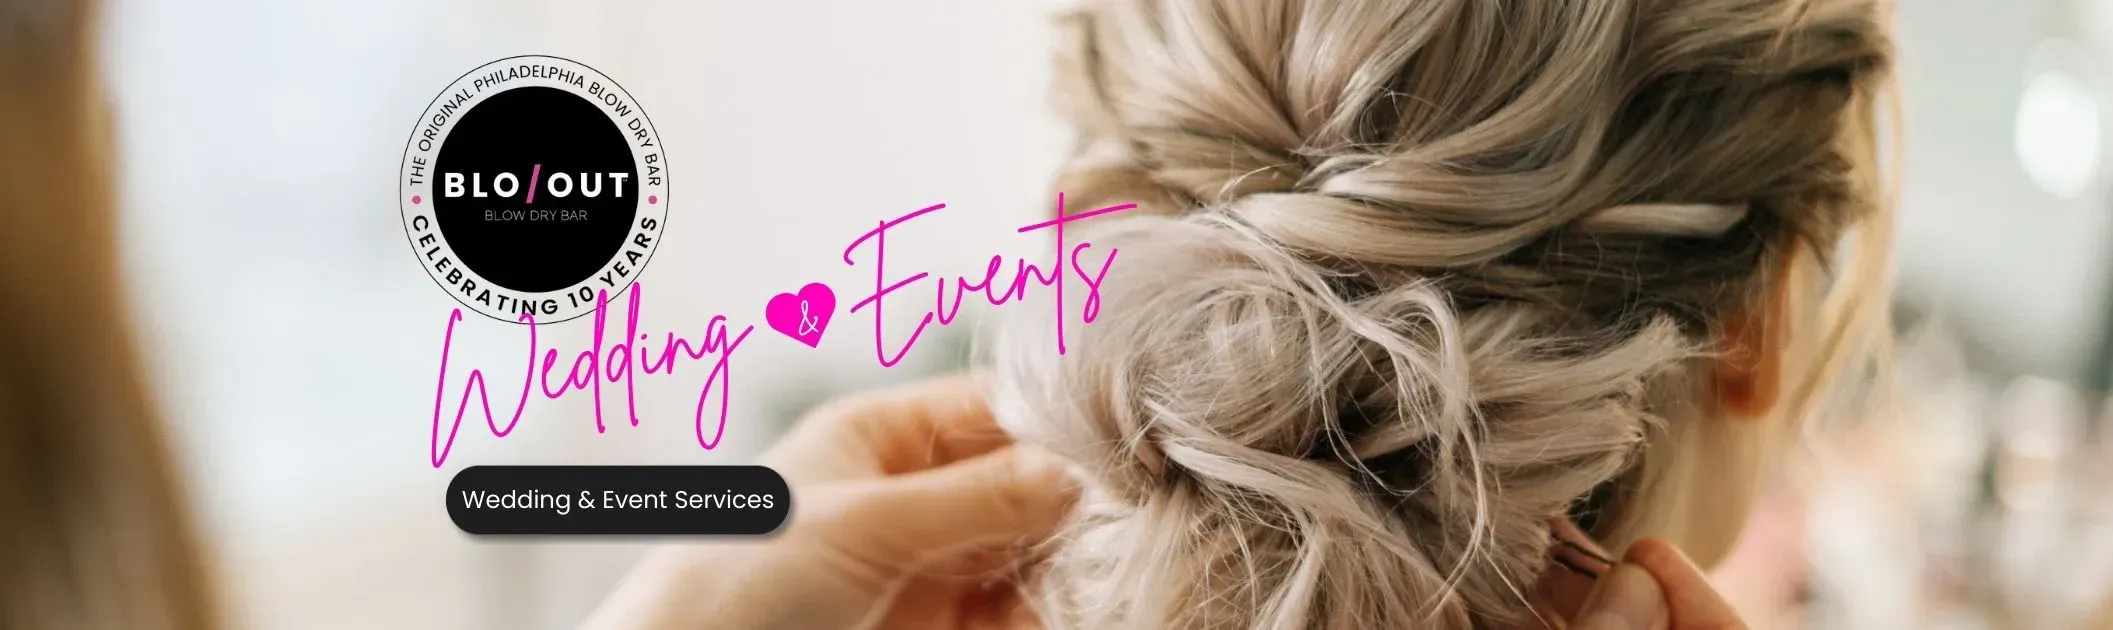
[[1421, 276]]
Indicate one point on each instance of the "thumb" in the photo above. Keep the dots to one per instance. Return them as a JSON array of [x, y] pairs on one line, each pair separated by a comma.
[[1001, 497], [1626, 597], [1694, 603]]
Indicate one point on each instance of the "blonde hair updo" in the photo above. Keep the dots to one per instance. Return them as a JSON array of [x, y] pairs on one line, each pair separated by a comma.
[[1412, 278]]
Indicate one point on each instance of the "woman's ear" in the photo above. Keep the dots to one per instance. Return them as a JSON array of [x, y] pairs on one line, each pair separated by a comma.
[[1752, 340]]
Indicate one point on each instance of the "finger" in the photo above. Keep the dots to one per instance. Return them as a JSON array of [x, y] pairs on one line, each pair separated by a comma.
[[924, 424], [1692, 601], [1002, 497], [1626, 598], [999, 606], [959, 603], [888, 431], [973, 590], [927, 602]]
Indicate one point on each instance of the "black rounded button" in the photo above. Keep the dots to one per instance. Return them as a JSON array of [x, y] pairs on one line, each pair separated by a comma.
[[618, 500]]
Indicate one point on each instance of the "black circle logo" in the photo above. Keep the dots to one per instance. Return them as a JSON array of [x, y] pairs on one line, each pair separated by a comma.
[[531, 185]]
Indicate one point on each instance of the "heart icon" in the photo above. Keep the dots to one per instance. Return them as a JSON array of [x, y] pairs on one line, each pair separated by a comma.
[[803, 316]]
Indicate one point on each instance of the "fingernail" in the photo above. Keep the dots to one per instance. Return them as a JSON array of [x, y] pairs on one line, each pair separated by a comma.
[[1051, 468], [1650, 551], [1627, 598], [1038, 463]]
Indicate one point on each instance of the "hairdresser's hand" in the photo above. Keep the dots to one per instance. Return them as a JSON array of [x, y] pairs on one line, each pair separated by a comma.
[[908, 505], [1654, 587]]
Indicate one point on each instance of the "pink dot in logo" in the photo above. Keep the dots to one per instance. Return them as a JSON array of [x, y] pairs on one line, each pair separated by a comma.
[[415, 199], [653, 199]]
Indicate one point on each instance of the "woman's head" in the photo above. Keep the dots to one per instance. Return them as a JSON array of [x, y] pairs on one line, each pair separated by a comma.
[[1424, 275]]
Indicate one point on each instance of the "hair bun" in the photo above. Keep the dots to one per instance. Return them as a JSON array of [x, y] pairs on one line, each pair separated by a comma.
[[1235, 407]]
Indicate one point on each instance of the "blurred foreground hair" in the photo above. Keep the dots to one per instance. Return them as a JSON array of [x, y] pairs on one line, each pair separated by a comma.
[[94, 532]]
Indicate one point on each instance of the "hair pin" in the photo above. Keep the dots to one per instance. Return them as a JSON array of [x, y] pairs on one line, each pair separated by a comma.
[[1699, 220]]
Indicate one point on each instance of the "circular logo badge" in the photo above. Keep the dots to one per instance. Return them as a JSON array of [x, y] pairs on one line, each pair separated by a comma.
[[531, 185]]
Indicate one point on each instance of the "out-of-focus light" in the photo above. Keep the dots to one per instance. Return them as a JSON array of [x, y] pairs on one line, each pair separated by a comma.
[[2057, 135], [2038, 427]]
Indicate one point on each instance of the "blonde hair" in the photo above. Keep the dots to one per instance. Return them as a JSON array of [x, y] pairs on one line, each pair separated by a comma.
[[1420, 276], [94, 532]]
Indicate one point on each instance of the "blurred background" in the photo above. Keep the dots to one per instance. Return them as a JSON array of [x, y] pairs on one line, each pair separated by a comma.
[[296, 341]]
